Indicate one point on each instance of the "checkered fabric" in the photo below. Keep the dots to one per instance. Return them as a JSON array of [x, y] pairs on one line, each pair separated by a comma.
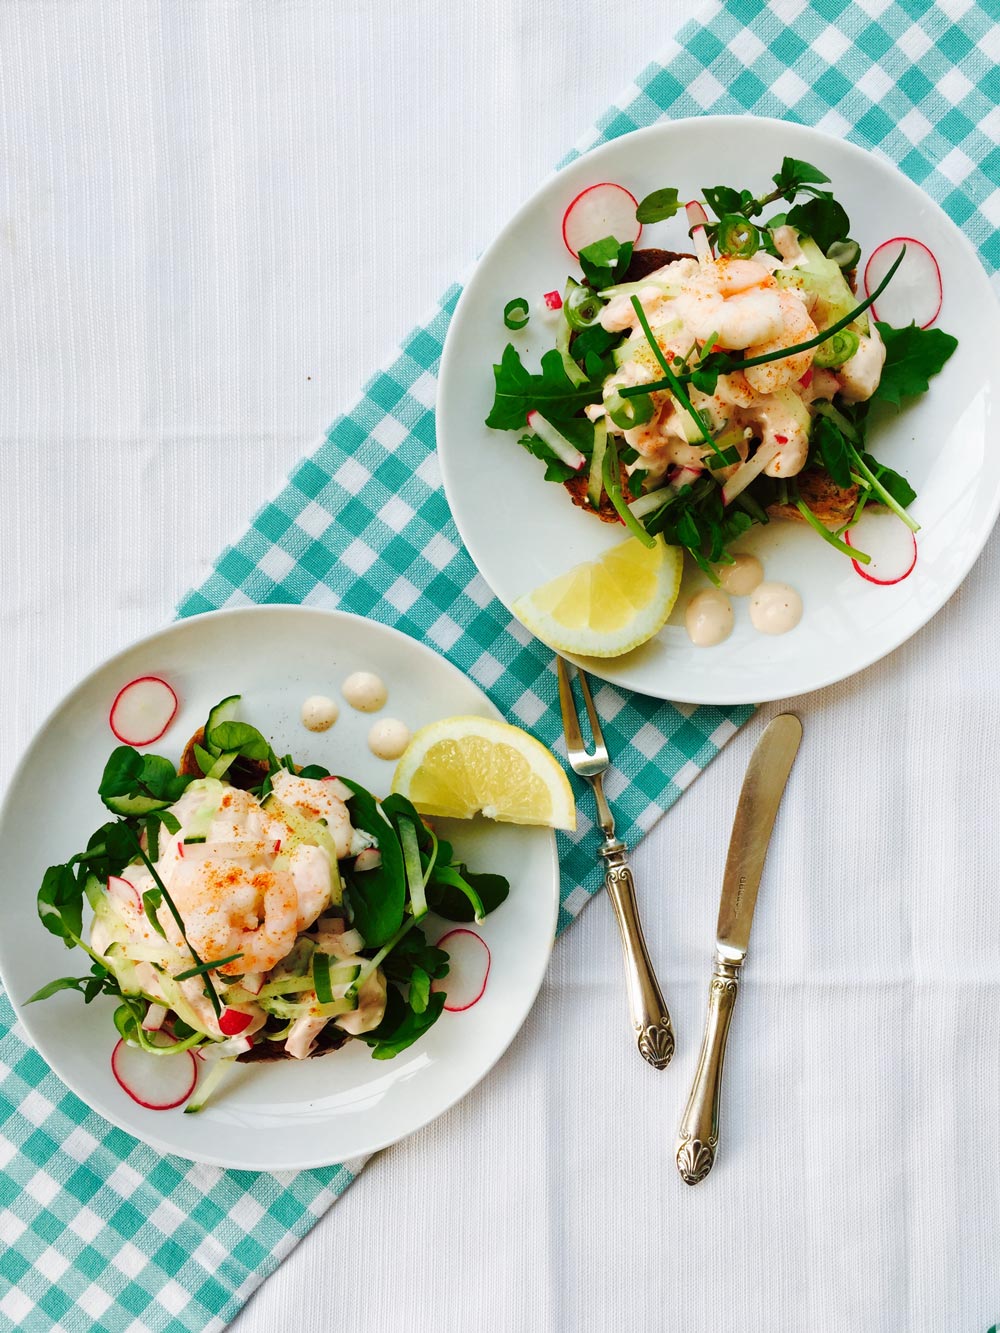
[[102, 1232]]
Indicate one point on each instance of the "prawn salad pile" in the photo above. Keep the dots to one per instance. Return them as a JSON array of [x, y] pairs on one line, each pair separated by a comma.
[[243, 907], [697, 395]]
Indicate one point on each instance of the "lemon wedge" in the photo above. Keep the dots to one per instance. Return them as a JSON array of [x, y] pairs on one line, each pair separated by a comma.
[[462, 766], [606, 607]]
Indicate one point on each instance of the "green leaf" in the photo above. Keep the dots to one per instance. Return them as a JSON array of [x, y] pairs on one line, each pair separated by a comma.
[[412, 1027], [60, 903], [151, 900], [823, 219], [377, 897], [912, 356], [795, 173], [518, 392], [121, 772], [722, 199], [605, 261], [448, 892], [658, 206], [240, 738], [53, 987], [420, 990], [833, 449], [897, 486]]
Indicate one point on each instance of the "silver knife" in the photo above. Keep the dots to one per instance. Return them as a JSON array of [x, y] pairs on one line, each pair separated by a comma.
[[763, 786]]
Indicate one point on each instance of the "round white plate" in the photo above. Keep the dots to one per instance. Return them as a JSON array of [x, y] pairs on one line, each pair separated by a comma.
[[522, 531], [285, 1114]]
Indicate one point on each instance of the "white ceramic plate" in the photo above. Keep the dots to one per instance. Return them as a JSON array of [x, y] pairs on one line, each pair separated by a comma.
[[286, 1114], [522, 531]]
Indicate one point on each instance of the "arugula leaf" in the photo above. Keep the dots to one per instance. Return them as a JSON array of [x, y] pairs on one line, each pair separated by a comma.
[[823, 219], [518, 392], [912, 356], [555, 468], [794, 174], [833, 449], [605, 261], [378, 896], [897, 486], [658, 206]]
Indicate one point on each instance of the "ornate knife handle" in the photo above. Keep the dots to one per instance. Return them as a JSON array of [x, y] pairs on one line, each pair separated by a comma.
[[653, 1030], [698, 1135]]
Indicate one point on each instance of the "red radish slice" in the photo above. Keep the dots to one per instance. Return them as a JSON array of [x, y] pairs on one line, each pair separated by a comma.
[[560, 446], [156, 1016], [202, 851], [889, 542], [142, 711], [685, 476], [123, 894], [468, 969], [553, 301], [600, 211], [233, 1021], [915, 293], [697, 219], [369, 859], [253, 982], [157, 1082]]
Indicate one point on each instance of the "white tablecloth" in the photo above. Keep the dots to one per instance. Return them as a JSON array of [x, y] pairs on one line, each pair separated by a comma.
[[215, 220]]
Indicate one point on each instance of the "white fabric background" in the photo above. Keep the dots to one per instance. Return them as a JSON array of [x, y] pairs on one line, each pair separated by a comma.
[[215, 220]]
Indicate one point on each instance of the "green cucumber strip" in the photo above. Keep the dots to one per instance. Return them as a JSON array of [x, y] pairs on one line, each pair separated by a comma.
[[595, 484], [414, 870]]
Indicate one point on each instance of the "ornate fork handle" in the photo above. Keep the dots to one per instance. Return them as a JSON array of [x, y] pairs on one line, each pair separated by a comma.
[[653, 1030], [698, 1135]]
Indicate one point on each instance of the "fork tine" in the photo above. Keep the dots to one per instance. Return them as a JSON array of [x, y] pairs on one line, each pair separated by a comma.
[[571, 724], [595, 725]]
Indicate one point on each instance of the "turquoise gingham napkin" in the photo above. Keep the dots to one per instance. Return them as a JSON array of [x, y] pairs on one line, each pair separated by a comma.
[[101, 1232]]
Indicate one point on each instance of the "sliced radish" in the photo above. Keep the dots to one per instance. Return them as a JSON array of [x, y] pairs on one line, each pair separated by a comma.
[[748, 471], [253, 982], [468, 969], [915, 293], [157, 1082], [553, 300], [123, 894], [685, 476], [142, 710], [890, 543], [563, 449], [599, 211], [369, 859], [697, 220], [233, 1021], [202, 851], [156, 1016], [338, 788]]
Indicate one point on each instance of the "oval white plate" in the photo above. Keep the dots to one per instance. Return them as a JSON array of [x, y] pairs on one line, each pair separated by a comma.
[[522, 531], [285, 1114]]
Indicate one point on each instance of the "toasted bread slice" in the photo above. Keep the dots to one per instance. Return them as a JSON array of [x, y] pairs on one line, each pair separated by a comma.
[[833, 505], [577, 487], [644, 262]]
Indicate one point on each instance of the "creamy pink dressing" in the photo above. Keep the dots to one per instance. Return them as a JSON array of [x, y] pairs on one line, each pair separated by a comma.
[[709, 618], [741, 577], [775, 608]]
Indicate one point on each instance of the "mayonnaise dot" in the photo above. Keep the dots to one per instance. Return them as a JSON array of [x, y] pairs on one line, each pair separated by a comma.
[[365, 691], [319, 713], [388, 738]]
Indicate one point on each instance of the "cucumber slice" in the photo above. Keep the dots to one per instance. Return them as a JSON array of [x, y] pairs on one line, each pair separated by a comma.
[[225, 711], [815, 273], [134, 805]]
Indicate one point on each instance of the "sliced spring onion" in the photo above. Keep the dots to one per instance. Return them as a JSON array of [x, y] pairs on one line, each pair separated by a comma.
[[737, 236], [414, 870], [845, 254], [841, 347], [628, 413], [582, 306], [595, 483], [613, 486], [515, 313]]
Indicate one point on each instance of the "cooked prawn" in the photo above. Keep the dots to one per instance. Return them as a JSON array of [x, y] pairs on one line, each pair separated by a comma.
[[316, 800], [229, 908], [796, 327]]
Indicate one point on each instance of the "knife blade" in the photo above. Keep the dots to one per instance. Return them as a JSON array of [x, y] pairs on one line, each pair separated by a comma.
[[763, 787], [764, 784]]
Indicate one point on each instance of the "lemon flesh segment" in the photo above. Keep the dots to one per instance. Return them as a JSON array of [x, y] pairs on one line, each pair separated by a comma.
[[608, 606], [469, 765]]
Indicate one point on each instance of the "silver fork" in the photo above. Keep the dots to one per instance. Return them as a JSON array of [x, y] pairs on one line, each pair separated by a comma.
[[650, 1019]]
